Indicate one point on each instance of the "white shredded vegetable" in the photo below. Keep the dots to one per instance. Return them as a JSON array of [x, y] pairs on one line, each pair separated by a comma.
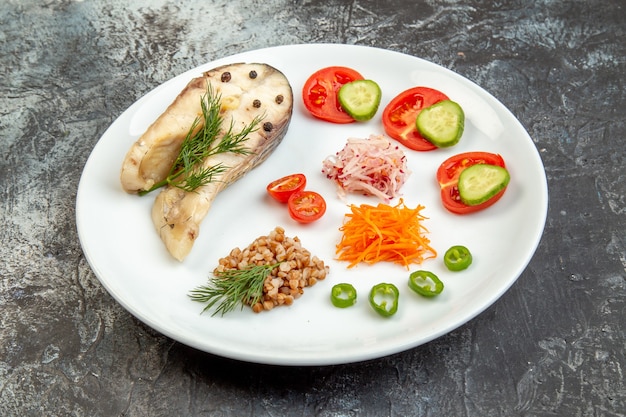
[[372, 166]]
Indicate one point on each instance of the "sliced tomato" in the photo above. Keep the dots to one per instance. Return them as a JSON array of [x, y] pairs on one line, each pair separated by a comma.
[[282, 188], [306, 206], [401, 113], [320, 93], [448, 178]]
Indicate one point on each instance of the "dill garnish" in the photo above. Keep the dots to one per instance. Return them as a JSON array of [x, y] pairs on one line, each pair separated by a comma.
[[233, 287], [188, 171]]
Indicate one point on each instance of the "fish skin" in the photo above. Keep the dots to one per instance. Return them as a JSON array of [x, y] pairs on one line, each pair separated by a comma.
[[177, 214]]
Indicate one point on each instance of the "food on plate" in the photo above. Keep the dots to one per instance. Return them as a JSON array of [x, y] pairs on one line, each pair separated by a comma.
[[282, 188], [246, 91], [384, 298], [272, 271], [188, 172], [233, 287], [303, 206], [384, 233], [372, 166], [481, 182], [457, 258], [442, 123], [248, 108], [360, 99], [448, 175], [343, 295], [425, 283], [320, 93], [306, 206], [400, 115]]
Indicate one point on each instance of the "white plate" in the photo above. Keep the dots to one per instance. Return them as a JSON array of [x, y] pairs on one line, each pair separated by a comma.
[[129, 259]]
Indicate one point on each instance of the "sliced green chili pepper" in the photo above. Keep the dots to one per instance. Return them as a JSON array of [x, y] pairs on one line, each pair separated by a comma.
[[343, 295], [425, 283], [457, 258], [384, 299]]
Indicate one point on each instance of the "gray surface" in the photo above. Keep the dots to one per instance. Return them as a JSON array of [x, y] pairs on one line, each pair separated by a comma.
[[553, 345]]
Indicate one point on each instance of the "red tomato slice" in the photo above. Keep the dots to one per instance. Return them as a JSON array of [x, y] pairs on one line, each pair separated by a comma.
[[306, 206], [401, 113], [448, 177], [282, 188], [320, 93]]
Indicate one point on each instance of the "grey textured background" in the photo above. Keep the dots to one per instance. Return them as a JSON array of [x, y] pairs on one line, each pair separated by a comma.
[[554, 345]]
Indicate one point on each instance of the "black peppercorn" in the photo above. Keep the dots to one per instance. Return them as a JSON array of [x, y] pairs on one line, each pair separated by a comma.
[[279, 99], [226, 77], [256, 103], [268, 126], [252, 74]]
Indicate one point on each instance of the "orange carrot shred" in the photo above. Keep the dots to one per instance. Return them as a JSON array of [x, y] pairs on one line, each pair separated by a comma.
[[386, 233]]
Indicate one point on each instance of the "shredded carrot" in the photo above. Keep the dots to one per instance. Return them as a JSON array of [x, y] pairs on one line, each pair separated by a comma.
[[386, 233]]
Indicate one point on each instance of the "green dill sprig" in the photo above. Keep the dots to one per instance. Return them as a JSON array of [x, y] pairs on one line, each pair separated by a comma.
[[188, 171], [233, 287]]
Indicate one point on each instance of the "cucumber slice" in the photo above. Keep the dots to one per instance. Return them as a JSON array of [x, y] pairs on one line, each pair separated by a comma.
[[480, 182], [360, 99], [442, 123]]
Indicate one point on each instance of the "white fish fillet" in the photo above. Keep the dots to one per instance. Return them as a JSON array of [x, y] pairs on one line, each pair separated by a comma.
[[247, 91]]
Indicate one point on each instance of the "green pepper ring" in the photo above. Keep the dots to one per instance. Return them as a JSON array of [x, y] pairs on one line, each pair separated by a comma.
[[343, 295], [382, 307], [457, 258], [425, 283]]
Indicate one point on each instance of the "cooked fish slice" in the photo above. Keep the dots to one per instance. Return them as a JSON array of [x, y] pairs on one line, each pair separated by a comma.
[[252, 90], [150, 158]]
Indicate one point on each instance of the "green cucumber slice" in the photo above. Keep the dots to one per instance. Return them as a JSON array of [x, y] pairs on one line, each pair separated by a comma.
[[360, 99], [480, 182], [442, 123]]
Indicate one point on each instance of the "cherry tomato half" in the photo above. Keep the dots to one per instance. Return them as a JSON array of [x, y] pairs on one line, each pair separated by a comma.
[[448, 178], [401, 113], [306, 206], [282, 188], [320, 93]]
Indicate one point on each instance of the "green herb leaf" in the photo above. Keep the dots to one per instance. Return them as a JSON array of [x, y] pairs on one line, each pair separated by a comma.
[[233, 287], [188, 171]]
